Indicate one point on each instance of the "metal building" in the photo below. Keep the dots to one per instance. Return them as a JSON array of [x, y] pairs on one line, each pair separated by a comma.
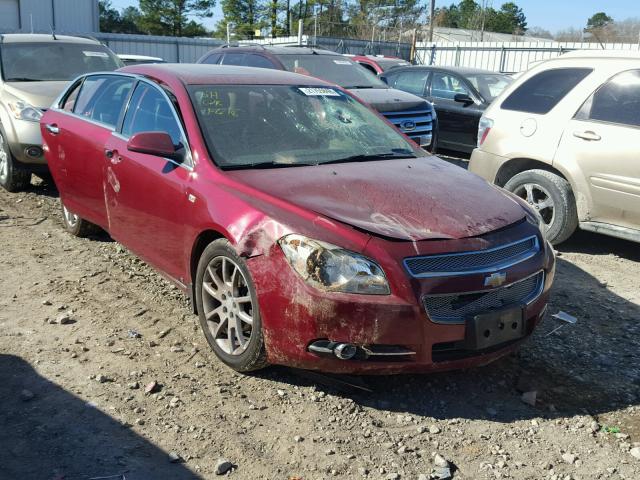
[[64, 16]]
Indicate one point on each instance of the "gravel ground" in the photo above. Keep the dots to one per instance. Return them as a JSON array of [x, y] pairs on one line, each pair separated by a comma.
[[87, 328]]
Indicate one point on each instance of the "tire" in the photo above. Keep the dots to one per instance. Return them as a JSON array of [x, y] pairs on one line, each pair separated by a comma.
[[12, 178], [218, 308], [553, 199], [76, 226]]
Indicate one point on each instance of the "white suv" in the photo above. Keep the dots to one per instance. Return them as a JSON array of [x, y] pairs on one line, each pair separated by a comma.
[[565, 136]]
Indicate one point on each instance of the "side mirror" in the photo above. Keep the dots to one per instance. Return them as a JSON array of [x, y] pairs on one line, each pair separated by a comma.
[[463, 98], [383, 77], [154, 143]]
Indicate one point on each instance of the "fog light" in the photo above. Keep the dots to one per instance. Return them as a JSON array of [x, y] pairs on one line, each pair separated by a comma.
[[424, 140], [345, 351], [34, 152]]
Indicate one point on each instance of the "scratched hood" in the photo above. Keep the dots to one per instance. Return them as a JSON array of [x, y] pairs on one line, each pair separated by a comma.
[[413, 199]]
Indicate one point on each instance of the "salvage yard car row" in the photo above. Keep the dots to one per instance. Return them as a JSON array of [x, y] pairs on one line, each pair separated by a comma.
[[305, 228]]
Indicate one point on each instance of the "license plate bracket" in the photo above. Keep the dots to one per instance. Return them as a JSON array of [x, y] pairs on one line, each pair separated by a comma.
[[493, 328]]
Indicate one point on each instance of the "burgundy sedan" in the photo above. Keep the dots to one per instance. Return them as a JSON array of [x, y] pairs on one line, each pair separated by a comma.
[[306, 229]]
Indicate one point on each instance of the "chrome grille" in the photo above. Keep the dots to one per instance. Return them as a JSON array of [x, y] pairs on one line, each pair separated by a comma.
[[421, 118], [477, 261], [455, 307]]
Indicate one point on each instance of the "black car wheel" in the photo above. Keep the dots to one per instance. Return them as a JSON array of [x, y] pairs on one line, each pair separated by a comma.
[[228, 308], [12, 178], [552, 198]]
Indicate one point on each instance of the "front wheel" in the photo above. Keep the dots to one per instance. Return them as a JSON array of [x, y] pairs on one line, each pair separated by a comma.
[[552, 198], [228, 308], [12, 178]]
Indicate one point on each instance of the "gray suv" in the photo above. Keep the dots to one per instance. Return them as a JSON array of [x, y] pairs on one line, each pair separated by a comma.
[[34, 70]]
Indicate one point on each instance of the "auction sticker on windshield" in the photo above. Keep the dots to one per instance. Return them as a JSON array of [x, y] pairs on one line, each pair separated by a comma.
[[319, 92]]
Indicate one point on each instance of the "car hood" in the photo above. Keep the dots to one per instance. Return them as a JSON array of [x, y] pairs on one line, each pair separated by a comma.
[[388, 99], [409, 199], [38, 94]]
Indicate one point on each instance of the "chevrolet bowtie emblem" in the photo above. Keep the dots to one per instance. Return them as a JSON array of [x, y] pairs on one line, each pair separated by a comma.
[[495, 279]]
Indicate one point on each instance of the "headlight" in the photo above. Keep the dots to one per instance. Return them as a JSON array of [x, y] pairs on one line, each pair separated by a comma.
[[331, 268], [23, 111]]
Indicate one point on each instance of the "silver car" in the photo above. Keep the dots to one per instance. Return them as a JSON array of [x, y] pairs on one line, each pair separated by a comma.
[[34, 69]]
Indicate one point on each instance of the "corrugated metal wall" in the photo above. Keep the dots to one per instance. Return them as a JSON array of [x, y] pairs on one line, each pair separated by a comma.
[[9, 15], [507, 57], [171, 49], [66, 16]]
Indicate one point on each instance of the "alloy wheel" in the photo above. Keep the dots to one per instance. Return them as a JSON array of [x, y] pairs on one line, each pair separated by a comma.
[[4, 160], [539, 199], [227, 305], [69, 217]]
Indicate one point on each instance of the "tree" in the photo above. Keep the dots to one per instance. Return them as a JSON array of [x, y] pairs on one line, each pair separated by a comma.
[[539, 32], [118, 22], [599, 20], [515, 17], [244, 15], [172, 17], [109, 16]]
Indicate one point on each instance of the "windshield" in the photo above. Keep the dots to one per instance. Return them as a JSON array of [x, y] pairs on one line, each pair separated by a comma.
[[53, 61], [489, 85], [332, 68], [265, 125]]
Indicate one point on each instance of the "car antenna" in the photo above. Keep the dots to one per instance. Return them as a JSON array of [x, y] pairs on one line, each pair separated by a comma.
[[53, 32]]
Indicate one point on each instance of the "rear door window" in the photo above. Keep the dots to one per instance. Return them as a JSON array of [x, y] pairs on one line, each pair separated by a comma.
[[233, 59], [254, 60], [410, 81], [543, 91], [617, 101], [102, 97]]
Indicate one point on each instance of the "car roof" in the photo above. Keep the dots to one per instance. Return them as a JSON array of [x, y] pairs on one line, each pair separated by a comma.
[[203, 74], [44, 38], [601, 54], [458, 70], [277, 49]]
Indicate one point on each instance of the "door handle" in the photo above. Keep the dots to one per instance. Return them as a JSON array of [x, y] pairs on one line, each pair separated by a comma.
[[588, 135], [112, 155], [52, 128]]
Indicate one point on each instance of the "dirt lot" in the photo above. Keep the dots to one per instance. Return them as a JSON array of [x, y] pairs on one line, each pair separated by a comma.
[[73, 378]]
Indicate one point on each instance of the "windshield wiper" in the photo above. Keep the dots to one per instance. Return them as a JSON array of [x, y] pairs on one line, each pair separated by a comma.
[[373, 157], [361, 86], [262, 165], [23, 79]]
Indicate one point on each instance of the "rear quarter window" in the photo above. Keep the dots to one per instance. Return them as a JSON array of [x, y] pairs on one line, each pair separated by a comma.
[[543, 91]]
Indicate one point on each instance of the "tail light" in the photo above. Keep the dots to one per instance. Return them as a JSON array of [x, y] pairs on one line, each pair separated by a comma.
[[484, 127]]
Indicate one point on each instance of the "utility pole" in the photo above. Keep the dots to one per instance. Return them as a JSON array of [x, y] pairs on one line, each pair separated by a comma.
[[482, 17], [432, 12]]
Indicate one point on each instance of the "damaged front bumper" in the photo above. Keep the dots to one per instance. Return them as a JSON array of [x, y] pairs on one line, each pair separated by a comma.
[[403, 332]]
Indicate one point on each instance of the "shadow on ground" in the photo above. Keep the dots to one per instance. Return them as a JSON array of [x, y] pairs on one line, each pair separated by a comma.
[[56, 435]]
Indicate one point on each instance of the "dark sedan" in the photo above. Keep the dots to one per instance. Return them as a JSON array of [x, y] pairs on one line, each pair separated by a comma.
[[459, 95]]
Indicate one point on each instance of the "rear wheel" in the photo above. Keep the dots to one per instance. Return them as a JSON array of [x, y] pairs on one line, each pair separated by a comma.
[[228, 308], [76, 226], [551, 197], [12, 178]]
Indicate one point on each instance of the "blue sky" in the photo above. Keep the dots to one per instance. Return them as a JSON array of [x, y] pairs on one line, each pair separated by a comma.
[[552, 15]]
